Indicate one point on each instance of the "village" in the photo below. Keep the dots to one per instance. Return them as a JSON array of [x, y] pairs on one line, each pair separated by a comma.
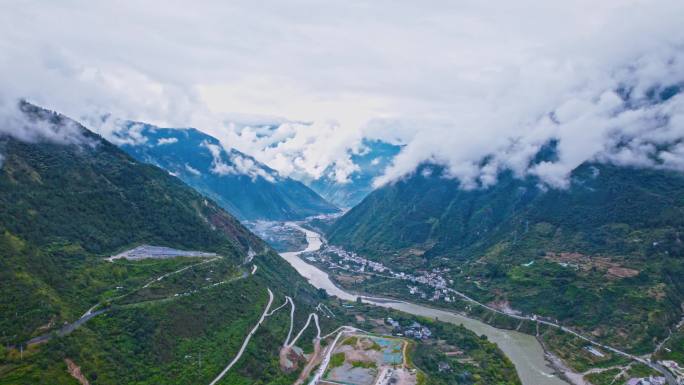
[[337, 258]]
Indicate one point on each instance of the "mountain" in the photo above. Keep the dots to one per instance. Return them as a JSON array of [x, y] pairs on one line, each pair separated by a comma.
[[246, 188], [371, 161], [604, 255], [68, 200]]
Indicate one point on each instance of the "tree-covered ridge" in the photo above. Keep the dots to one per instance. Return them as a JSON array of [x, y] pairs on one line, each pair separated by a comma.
[[603, 255], [64, 205], [67, 204], [95, 195]]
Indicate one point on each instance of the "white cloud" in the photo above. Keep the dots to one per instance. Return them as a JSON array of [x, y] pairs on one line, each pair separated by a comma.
[[191, 170], [119, 132], [454, 82], [239, 164], [22, 123], [163, 141], [218, 166]]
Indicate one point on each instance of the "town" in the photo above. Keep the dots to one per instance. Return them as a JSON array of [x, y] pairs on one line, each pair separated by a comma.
[[337, 258], [431, 285]]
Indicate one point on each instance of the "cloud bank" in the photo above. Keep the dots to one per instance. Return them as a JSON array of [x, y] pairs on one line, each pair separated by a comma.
[[21, 122], [298, 84]]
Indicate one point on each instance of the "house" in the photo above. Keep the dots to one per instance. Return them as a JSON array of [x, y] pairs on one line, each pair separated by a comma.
[[647, 381], [392, 322]]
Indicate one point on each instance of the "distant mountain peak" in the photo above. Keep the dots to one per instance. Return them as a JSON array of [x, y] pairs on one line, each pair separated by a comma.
[[370, 161], [238, 182]]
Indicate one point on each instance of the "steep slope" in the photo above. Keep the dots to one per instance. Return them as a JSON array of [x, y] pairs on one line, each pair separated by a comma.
[[63, 201], [427, 213], [371, 161], [604, 255], [240, 184], [68, 201]]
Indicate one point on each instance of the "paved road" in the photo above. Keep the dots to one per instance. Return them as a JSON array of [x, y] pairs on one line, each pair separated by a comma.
[[246, 341], [90, 313], [176, 272], [314, 316], [66, 329], [314, 246], [326, 359]]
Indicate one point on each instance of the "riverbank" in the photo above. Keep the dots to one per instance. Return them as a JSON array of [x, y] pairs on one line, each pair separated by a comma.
[[522, 349]]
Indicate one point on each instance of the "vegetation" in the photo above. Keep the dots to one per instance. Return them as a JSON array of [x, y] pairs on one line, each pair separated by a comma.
[[64, 207], [364, 364], [336, 360], [603, 256], [480, 361], [607, 377], [673, 349], [182, 329]]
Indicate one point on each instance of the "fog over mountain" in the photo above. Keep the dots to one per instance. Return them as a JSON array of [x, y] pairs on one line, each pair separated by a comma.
[[299, 86]]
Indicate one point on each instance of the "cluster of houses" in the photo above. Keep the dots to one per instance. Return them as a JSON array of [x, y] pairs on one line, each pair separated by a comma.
[[647, 381], [434, 279], [675, 369], [350, 261], [672, 366], [415, 330]]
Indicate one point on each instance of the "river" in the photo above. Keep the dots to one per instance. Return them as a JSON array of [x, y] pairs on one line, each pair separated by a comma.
[[524, 350]]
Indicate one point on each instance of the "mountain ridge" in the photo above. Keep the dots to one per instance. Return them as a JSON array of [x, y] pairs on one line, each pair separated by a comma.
[[245, 187], [605, 251], [65, 205], [369, 163]]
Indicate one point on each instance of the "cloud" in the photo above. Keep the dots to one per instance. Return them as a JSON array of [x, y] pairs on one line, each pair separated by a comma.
[[191, 170], [118, 131], [247, 166], [23, 122], [218, 166], [301, 150], [163, 141], [298, 84], [594, 123], [238, 164]]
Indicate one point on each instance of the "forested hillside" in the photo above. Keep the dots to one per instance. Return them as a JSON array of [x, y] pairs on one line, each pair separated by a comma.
[[604, 254], [65, 205]]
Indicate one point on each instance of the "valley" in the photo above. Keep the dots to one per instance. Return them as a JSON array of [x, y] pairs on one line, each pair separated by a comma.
[[342, 193], [523, 350], [166, 287], [336, 264]]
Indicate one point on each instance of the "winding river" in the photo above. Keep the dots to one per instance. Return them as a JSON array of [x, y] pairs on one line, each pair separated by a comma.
[[524, 350]]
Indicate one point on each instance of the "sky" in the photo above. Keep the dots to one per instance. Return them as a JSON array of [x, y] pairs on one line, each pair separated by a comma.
[[456, 82]]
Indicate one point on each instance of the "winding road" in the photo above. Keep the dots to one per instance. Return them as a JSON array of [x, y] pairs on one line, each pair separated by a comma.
[[246, 341], [91, 313], [320, 279]]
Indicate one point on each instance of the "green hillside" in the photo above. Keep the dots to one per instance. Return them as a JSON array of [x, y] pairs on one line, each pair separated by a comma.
[[604, 255], [63, 208]]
